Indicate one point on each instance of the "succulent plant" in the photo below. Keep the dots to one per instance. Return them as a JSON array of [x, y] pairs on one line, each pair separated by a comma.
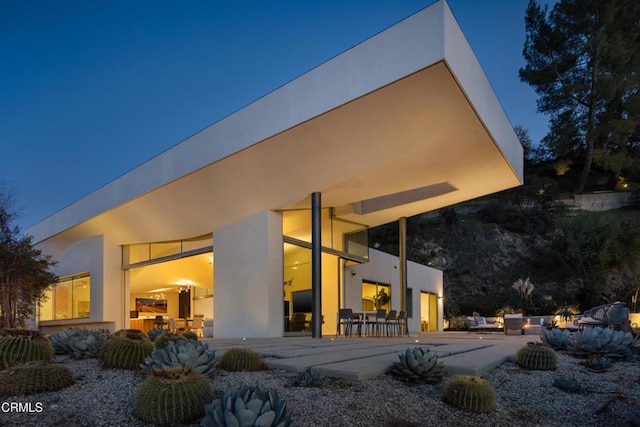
[[153, 334], [556, 338], [604, 341], [246, 406], [189, 335], [21, 345], [34, 377], [307, 378], [79, 342], [598, 363], [470, 393], [125, 350], [188, 354], [241, 359], [418, 366], [172, 395], [537, 356], [567, 384]]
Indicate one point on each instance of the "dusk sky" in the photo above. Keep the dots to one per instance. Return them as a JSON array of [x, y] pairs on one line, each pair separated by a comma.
[[91, 89]]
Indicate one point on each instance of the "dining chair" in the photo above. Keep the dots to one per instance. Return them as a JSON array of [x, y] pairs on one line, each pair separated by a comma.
[[378, 322], [392, 324], [173, 326], [197, 324], [347, 319], [159, 322], [402, 323]]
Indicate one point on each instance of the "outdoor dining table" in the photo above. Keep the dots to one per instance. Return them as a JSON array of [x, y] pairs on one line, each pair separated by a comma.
[[363, 317]]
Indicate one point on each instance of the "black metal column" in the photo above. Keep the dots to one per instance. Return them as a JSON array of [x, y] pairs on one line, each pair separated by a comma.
[[402, 258], [316, 265]]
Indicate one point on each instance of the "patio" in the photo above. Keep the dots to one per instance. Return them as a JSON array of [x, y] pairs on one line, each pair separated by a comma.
[[364, 358]]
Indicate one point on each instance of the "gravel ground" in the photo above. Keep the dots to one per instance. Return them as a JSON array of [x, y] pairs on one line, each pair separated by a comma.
[[524, 398]]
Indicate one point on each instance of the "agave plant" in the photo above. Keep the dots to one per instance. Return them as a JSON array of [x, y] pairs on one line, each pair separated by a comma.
[[188, 354], [556, 338], [246, 406], [603, 341], [567, 384], [79, 342], [418, 366], [307, 378], [153, 334], [598, 363]]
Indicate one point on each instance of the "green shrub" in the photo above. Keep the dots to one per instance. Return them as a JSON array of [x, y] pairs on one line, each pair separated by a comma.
[[241, 359], [34, 377], [172, 395], [21, 345], [470, 393]]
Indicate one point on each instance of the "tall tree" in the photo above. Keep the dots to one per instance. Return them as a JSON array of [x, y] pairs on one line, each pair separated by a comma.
[[24, 270], [583, 60]]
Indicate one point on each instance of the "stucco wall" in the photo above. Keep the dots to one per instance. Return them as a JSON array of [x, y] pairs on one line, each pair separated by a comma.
[[384, 268]]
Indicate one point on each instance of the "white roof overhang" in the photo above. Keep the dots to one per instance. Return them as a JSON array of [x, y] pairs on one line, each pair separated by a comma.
[[403, 123]]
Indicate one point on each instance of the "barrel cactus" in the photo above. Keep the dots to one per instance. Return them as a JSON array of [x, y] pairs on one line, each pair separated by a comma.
[[189, 335], [605, 341], [470, 393], [79, 342], [126, 350], [537, 356], [172, 395], [556, 338], [241, 359], [189, 354], [34, 377], [418, 366], [246, 406], [21, 345], [163, 339]]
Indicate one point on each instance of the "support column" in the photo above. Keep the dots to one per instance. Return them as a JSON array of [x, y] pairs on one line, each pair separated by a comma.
[[316, 265], [402, 258]]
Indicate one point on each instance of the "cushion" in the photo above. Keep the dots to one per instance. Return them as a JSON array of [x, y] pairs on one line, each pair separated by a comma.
[[472, 321], [480, 320]]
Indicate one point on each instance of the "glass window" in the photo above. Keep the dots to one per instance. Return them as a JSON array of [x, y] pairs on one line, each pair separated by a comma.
[[68, 299], [159, 250], [132, 254], [140, 252], [376, 296], [409, 302]]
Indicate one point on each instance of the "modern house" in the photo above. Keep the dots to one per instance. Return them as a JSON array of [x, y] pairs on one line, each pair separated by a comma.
[[264, 214]]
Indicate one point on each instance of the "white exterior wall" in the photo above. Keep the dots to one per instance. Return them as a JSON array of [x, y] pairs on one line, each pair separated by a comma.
[[248, 277], [102, 259], [384, 268]]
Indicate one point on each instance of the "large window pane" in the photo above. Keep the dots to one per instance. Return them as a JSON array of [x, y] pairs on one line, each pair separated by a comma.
[[376, 296], [70, 298]]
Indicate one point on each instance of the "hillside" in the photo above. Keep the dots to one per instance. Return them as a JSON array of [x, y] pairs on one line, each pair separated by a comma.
[[572, 257]]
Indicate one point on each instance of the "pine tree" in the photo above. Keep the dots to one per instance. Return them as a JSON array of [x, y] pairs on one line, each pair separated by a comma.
[[583, 60]]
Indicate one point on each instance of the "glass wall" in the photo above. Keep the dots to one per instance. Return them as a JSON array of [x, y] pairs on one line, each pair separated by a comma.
[[68, 299], [297, 289], [338, 234], [141, 252]]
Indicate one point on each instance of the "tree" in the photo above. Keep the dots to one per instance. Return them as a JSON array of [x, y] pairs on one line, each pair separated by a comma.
[[583, 61], [24, 270]]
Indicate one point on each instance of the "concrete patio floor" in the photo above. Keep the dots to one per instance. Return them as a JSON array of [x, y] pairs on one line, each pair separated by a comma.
[[359, 358]]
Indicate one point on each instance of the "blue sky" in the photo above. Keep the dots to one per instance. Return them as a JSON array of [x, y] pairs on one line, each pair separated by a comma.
[[91, 89]]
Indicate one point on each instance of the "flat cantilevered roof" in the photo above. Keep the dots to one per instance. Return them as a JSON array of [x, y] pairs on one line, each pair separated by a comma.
[[403, 123]]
